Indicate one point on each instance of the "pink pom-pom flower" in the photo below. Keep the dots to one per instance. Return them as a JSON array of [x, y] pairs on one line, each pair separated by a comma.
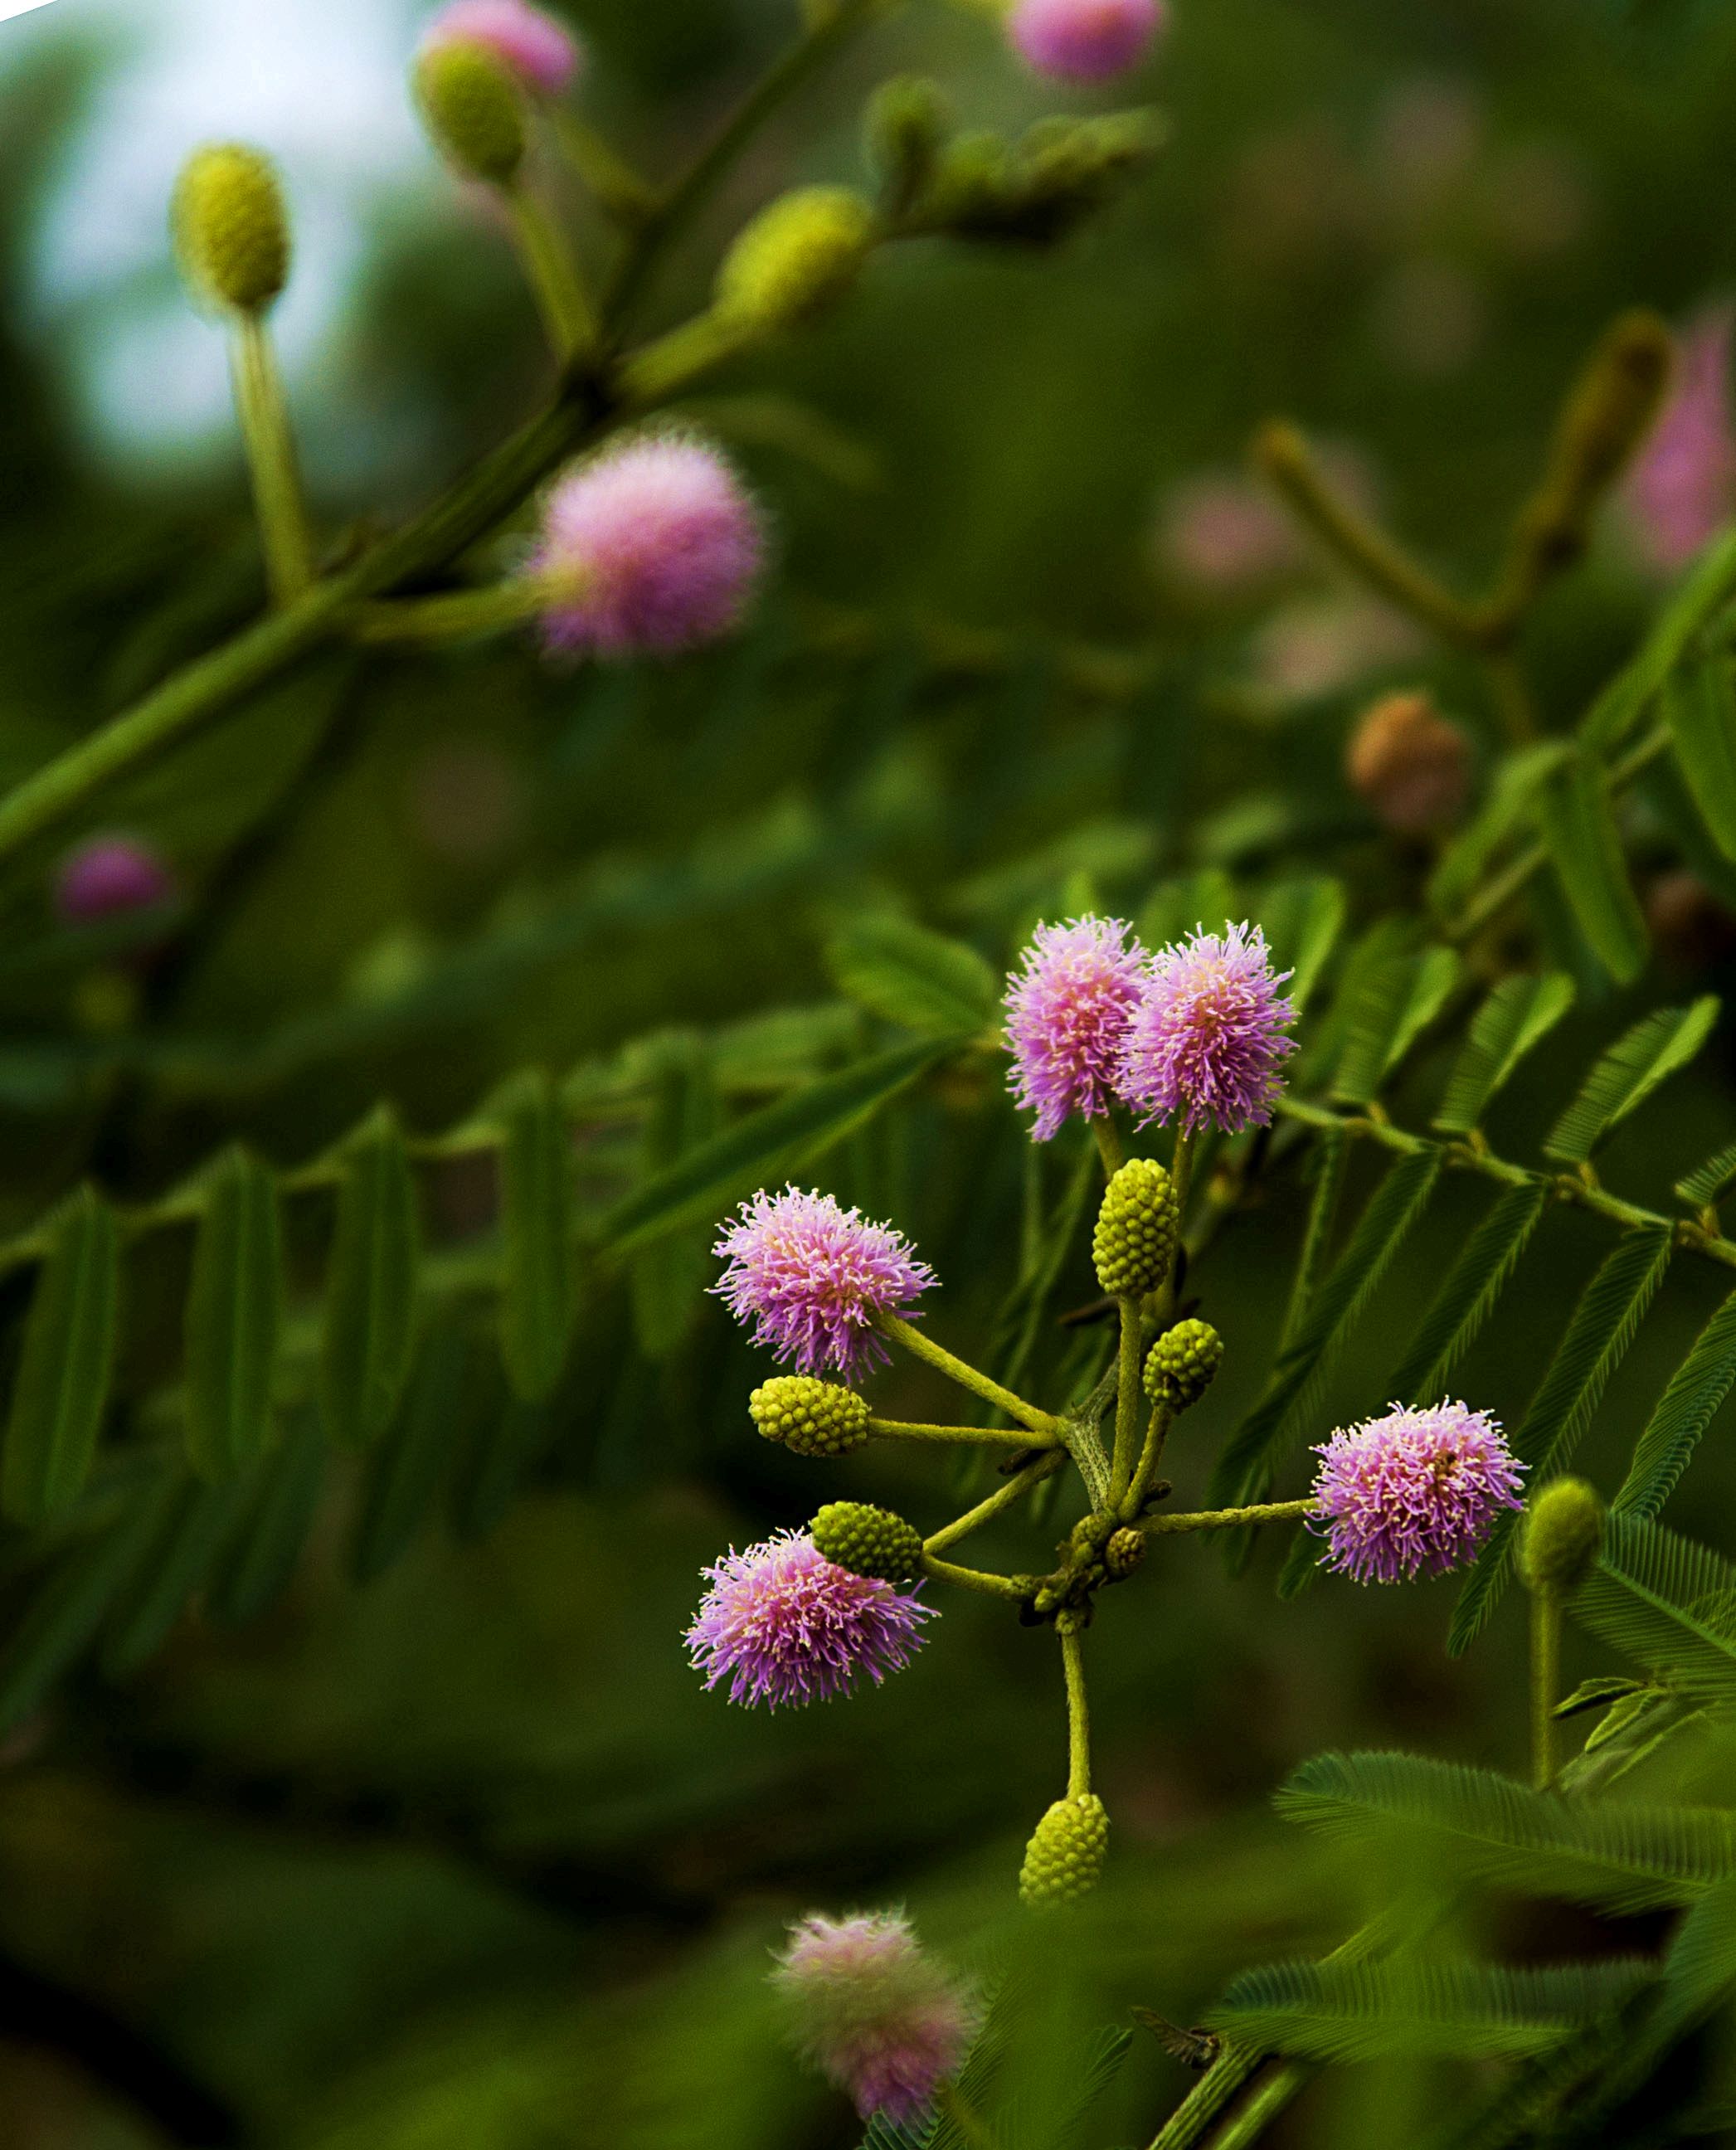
[[1682, 486], [786, 1627], [109, 877], [1415, 1492], [1068, 1013], [652, 547], [1208, 1037], [811, 1276], [873, 2013], [1085, 40], [543, 53]]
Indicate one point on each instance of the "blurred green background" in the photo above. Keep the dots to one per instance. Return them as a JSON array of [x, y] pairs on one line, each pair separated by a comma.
[[460, 1855]]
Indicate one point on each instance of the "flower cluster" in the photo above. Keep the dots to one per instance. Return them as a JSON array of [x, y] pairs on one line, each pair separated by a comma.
[[1413, 1492], [876, 2016], [1195, 1032], [786, 1627]]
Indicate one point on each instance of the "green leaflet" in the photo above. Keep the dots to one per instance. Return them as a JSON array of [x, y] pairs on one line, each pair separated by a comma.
[[406, 1469], [1332, 1314], [1329, 1160], [235, 1311], [1657, 1047], [1478, 1824], [1302, 921], [1585, 847], [1352, 2012], [369, 1332], [1699, 1971], [1708, 1183], [1396, 1002], [780, 1139], [198, 1518], [1617, 712], [1687, 1407], [909, 976], [539, 1296], [257, 1566], [1517, 1016], [668, 1277], [1699, 706], [1666, 1602], [1513, 794], [1469, 1292], [1604, 1323], [68, 1362]]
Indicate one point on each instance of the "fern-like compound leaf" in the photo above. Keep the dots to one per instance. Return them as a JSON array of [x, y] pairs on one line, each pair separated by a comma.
[[1585, 848], [1669, 1603], [1517, 1016], [1658, 1046], [1470, 1291], [1397, 1001], [1696, 1390]]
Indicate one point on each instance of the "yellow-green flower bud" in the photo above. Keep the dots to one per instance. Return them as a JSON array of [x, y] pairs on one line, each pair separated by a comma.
[[797, 258], [474, 108], [1563, 1536], [906, 130], [1124, 1552], [1133, 1245], [867, 1541], [812, 1417], [1182, 1363], [1065, 1856], [231, 228]]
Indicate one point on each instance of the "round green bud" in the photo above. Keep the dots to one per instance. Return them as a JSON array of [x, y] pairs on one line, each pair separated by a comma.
[[796, 258], [1133, 1245], [1065, 1856], [1563, 1536], [812, 1417], [867, 1541], [1123, 1552], [231, 228], [906, 129], [1182, 1363], [475, 110]]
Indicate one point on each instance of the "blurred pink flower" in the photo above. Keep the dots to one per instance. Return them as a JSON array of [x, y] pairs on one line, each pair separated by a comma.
[[1682, 486], [542, 52], [108, 877], [1320, 646], [1084, 40], [1223, 533]]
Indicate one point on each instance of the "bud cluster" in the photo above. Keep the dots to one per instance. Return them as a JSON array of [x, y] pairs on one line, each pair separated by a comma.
[[231, 228], [796, 259], [1563, 1536], [1064, 1859], [809, 1417], [867, 1541], [1182, 1363], [1133, 1244]]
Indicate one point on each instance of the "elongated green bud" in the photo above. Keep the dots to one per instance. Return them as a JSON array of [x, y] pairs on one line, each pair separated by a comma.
[[231, 228], [1182, 1363], [867, 1541], [475, 111], [1064, 1859], [1563, 1536], [905, 132], [812, 1417], [1133, 1245], [798, 258]]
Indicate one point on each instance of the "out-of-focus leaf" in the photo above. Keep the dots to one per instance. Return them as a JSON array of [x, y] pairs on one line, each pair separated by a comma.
[[909, 976], [1699, 705], [68, 1361], [174, 1564], [539, 1298], [1585, 846], [1302, 921], [235, 1309], [370, 1333], [1469, 1292], [254, 1568]]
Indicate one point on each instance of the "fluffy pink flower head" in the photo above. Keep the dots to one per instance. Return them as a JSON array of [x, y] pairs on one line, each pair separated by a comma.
[[1682, 486], [784, 1627], [810, 1276], [651, 547], [1208, 1037], [108, 877], [873, 2013], [543, 53], [1085, 40], [1067, 1013], [1414, 1493]]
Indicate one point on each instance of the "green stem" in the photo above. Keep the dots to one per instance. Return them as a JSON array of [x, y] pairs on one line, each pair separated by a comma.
[[995, 1436], [264, 420], [676, 209], [605, 173], [1150, 1456], [1545, 1656], [1229, 1519], [1078, 1716], [1268, 2100], [567, 319], [1110, 1147], [998, 1502], [967, 1377], [1181, 1172], [1234, 2065], [452, 616], [974, 1578], [1127, 1393]]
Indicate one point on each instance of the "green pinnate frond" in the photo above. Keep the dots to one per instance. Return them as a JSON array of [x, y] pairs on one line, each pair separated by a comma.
[[1710, 1182], [1324, 2011], [1469, 1292], [909, 976], [1395, 1003], [1331, 1315], [1688, 1406], [1585, 848], [1506, 812], [1669, 1603], [1699, 706], [1699, 1969], [1603, 1325], [1480, 1825], [1658, 1046], [1516, 1017]]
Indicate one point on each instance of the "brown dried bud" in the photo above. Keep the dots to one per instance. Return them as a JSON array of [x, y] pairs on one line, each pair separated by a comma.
[[1412, 764], [1690, 924], [1123, 1552]]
